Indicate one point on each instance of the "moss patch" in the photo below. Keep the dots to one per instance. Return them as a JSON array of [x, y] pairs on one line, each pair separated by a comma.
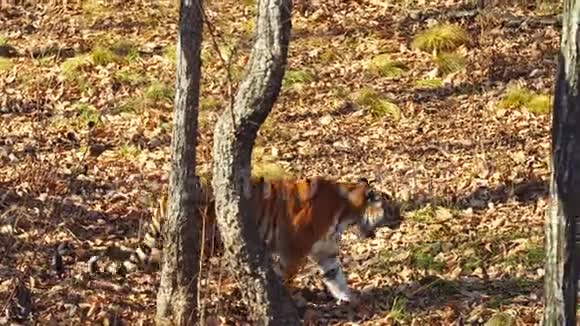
[[72, 67], [158, 91], [423, 257], [292, 77], [429, 83], [530, 255], [129, 76], [5, 64], [87, 114]]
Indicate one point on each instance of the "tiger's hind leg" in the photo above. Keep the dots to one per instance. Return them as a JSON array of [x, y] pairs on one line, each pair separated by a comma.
[[324, 254]]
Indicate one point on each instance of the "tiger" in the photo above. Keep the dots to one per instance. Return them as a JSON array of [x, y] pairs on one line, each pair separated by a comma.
[[298, 220], [302, 220]]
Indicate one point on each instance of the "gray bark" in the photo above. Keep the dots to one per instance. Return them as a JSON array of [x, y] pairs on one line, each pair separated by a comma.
[[561, 268], [176, 298], [234, 136]]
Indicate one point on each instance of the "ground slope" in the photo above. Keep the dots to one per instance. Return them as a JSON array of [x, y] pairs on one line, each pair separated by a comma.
[[85, 126]]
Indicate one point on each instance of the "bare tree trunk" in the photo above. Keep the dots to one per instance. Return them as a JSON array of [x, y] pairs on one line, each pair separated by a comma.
[[234, 136], [176, 299], [561, 269]]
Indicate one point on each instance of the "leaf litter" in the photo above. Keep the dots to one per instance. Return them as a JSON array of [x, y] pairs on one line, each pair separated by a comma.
[[85, 153]]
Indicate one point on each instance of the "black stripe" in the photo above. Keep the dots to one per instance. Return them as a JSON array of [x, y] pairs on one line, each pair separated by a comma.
[[330, 274]]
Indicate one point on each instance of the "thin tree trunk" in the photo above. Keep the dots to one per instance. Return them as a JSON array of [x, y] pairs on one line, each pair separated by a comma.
[[561, 269], [234, 136], [176, 299]]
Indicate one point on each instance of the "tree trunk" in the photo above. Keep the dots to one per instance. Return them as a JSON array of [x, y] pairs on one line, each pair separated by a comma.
[[234, 136], [561, 269], [176, 299]]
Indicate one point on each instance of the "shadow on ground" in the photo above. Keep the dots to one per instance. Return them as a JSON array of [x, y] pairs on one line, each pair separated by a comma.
[[429, 293], [525, 192]]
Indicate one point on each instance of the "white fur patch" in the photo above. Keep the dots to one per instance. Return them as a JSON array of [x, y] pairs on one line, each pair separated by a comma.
[[336, 285]]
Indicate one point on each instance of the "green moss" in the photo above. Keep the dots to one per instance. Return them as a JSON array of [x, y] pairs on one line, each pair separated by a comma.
[[441, 37], [378, 105], [423, 215], [515, 97], [429, 83], [383, 66], [125, 48], [5, 64], [501, 319], [471, 258], [292, 77], [423, 257], [248, 27], [531, 256], [130, 105], [102, 56], [158, 91], [169, 53], [73, 67], [129, 77], [129, 151], [87, 114], [450, 62]]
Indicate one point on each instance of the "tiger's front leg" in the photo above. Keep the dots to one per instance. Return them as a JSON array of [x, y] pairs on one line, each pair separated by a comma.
[[324, 254]]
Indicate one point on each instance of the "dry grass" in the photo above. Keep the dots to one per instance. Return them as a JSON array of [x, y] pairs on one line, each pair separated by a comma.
[[382, 65], [449, 62], [517, 97], [377, 105], [441, 37]]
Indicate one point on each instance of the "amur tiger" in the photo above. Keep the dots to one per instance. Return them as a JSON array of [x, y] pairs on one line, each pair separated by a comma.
[[299, 220]]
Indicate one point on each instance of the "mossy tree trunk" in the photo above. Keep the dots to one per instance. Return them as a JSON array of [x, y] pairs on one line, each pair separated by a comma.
[[561, 267], [234, 136], [176, 298]]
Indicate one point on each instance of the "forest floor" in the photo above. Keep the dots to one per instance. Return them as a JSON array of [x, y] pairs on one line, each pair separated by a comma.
[[463, 137]]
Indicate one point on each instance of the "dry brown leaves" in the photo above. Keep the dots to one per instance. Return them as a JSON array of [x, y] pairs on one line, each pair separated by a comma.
[[84, 158]]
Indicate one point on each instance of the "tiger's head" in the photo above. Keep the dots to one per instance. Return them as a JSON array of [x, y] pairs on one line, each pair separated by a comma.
[[377, 209]]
